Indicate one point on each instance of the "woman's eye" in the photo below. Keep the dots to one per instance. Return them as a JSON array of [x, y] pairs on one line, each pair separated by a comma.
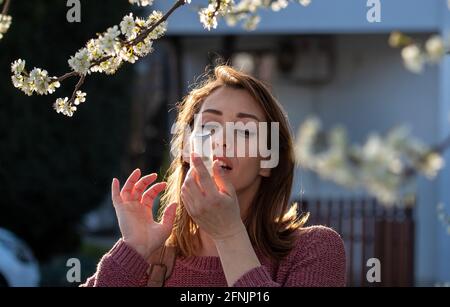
[[208, 129], [245, 133]]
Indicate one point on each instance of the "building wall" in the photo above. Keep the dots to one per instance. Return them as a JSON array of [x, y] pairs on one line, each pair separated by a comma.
[[373, 92], [321, 16]]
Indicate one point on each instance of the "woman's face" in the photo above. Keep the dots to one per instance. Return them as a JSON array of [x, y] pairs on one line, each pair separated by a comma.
[[236, 107]]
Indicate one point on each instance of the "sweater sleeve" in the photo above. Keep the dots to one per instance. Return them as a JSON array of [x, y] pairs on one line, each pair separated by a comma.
[[317, 260], [122, 266]]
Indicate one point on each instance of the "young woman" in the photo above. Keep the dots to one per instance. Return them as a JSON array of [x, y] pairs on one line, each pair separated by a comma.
[[234, 228]]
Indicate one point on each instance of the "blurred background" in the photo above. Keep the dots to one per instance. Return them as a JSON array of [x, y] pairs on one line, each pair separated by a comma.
[[325, 60]]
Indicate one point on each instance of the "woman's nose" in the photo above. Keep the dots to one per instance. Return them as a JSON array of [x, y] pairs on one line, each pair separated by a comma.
[[219, 145]]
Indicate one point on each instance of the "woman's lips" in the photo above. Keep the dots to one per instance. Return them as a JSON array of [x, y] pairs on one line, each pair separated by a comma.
[[224, 163]]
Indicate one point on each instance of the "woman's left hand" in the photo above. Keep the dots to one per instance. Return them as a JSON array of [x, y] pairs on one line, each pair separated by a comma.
[[211, 202]]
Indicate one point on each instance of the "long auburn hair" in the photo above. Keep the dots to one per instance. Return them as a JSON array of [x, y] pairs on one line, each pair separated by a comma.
[[273, 222]]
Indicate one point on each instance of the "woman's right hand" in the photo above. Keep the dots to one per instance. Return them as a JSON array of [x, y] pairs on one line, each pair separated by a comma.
[[134, 212]]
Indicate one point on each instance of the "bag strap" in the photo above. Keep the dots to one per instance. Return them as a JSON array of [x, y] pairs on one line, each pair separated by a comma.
[[161, 265]]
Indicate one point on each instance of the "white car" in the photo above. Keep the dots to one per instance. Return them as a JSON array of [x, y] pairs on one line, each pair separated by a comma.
[[18, 267]]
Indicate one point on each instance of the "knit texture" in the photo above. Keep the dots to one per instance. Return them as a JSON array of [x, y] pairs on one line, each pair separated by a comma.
[[317, 260]]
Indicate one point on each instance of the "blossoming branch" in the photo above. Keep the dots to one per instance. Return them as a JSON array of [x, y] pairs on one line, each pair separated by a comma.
[[132, 39], [414, 56], [383, 166], [127, 42]]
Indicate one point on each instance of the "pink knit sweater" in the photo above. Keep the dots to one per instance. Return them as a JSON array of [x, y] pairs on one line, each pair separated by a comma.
[[318, 259]]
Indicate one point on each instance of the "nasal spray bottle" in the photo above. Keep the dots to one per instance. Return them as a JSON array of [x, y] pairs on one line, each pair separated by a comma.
[[201, 145]]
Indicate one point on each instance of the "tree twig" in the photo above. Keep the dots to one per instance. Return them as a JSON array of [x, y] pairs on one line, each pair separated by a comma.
[[133, 42], [77, 87], [65, 76], [5, 7], [145, 33]]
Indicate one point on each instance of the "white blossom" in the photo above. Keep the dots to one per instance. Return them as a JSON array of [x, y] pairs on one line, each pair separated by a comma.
[[141, 2], [94, 51], [148, 2], [379, 165], [243, 10], [108, 42], [18, 66], [40, 80], [128, 54], [208, 17], [5, 23], [63, 106], [80, 62], [305, 2], [431, 165], [435, 48], [37, 81], [127, 26], [252, 22], [53, 86], [17, 81], [160, 29], [80, 97], [109, 66], [413, 58], [143, 48], [279, 4], [416, 57]]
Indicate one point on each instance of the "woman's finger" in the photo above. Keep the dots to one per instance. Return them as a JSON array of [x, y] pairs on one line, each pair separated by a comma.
[[190, 174], [129, 184], [169, 215], [193, 188], [203, 176], [187, 201], [141, 185], [115, 192], [149, 196]]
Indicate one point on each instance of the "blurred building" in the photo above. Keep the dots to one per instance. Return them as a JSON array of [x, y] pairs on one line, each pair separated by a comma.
[[328, 60]]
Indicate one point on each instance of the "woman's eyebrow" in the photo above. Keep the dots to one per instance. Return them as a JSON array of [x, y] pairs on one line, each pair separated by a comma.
[[239, 115], [213, 111]]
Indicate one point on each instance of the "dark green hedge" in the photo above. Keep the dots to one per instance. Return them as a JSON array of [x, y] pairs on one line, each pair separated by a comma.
[[54, 169]]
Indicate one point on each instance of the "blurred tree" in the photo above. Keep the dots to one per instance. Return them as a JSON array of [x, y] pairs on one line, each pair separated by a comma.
[[54, 169]]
